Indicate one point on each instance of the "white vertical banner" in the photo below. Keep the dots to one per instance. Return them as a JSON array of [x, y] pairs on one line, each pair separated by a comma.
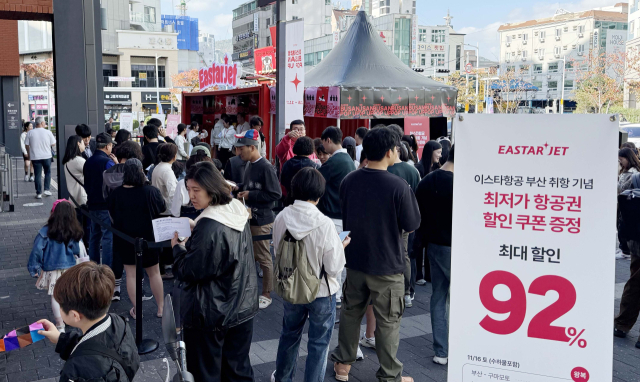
[[294, 73], [126, 121], [532, 268], [616, 45], [414, 40], [256, 23]]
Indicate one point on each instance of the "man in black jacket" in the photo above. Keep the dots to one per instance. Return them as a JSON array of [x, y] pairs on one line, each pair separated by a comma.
[[259, 190], [303, 148], [234, 169], [150, 149], [106, 349], [334, 171], [84, 132], [100, 161]]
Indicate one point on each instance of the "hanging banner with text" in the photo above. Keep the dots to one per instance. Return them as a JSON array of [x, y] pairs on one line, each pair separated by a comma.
[[534, 213], [220, 75], [173, 120], [294, 73], [418, 127]]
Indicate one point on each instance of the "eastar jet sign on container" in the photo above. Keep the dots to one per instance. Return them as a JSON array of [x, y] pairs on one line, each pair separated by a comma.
[[219, 74]]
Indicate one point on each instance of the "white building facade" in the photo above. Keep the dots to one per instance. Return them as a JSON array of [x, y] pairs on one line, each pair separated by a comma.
[[440, 50], [535, 49], [633, 45]]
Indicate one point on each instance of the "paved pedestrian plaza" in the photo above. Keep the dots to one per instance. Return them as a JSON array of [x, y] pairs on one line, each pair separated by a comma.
[[21, 304]]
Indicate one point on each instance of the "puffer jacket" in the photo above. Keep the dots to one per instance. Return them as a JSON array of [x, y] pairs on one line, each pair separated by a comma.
[[217, 269], [113, 334]]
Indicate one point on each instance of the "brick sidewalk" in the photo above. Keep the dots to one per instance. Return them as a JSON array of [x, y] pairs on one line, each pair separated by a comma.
[[21, 304]]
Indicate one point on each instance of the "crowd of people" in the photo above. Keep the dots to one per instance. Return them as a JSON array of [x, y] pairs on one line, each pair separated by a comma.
[[338, 246]]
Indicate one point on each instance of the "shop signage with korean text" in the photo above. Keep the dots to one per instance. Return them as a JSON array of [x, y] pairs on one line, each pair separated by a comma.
[[118, 96], [152, 97]]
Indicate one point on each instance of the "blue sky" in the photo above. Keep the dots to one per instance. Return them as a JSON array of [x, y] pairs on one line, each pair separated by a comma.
[[478, 19]]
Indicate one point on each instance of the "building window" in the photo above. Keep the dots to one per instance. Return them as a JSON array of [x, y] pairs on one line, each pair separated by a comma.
[[581, 48], [507, 56], [524, 54], [508, 39], [525, 37], [568, 66], [511, 68], [327, 19], [437, 59], [537, 84], [268, 40], [109, 70], [308, 59], [145, 76], [568, 84], [537, 68], [422, 35], [524, 69], [553, 67], [558, 32], [542, 35], [294, 2], [327, 2], [150, 15], [423, 59], [33, 82], [438, 36], [541, 54], [552, 85], [458, 56], [268, 21]]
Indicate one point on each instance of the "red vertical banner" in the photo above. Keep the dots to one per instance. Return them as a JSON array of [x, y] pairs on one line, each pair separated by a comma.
[[322, 97], [419, 127], [310, 102]]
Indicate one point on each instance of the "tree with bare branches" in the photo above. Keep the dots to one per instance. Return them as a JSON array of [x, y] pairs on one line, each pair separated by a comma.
[[41, 70]]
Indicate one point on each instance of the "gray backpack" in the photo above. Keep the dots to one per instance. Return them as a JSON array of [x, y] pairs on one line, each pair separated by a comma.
[[295, 281]]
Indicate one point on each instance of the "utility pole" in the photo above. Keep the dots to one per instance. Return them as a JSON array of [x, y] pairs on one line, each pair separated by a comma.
[[466, 87], [158, 88], [477, 74], [564, 64]]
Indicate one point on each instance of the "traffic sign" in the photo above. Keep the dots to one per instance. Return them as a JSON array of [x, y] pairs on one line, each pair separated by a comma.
[[468, 67]]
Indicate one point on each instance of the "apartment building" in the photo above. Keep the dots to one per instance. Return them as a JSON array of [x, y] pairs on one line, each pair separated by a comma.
[[539, 51], [440, 49], [633, 41]]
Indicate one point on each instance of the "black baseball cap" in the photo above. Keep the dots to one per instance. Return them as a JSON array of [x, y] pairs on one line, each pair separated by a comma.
[[104, 138]]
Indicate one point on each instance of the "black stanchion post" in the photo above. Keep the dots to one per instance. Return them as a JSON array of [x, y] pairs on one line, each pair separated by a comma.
[[144, 345]]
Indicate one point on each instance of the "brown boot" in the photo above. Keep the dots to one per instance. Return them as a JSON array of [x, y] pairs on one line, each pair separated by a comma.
[[407, 379], [342, 371]]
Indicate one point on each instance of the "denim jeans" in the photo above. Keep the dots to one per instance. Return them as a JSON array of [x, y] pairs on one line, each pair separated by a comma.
[[38, 165], [100, 235], [322, 317], [440, 260]]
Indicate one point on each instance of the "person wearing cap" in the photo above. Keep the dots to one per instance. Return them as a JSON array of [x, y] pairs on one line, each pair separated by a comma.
[[259, 190], [93, 171]]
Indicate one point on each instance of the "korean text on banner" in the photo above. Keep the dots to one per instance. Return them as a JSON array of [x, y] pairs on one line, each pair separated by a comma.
[[173, 120], [533, 213], [418, 127], [126, 121], [294, 73]]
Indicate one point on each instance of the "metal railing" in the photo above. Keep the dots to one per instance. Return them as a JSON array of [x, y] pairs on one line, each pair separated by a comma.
[[6, 181]]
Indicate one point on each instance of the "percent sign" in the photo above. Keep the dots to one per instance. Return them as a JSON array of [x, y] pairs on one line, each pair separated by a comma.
[[573, 333]]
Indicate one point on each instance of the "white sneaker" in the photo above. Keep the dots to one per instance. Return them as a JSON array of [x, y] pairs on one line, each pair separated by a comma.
[[619, 254], [26, 178], [421, 282], [368, 342], [440, 361], [626, 257], [32, 179], [407, 301], [359, 355], [273, 376], [47, 193], [39, 196]]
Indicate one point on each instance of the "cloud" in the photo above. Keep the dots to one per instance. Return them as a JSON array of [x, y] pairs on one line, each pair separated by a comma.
[[219, 25], [487, 37]]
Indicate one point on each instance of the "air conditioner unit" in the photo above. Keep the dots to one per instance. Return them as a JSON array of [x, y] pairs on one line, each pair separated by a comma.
[[580, 34], [541, 58], [548, 76], [564, 47], [580, 53], [535, 51], [573, 46], [557, 38], [556, 55], [524, 59], [535, 33], [575, 27], [533, 77], [541, 39], [508, 44], [507, 60], [524, 42]]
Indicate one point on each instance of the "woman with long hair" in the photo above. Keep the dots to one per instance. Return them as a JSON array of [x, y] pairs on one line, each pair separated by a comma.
[[629, 165], [446, 147], [28, 166], [430, 158], [122, 136], [132, 207], [413, 144], [73, 163], [349, 144], [219, 296]]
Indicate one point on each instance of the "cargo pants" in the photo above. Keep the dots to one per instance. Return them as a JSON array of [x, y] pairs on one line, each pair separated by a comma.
[[387, 295]]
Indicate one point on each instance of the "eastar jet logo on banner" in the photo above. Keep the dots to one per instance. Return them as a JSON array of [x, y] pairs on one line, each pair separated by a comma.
[[219, 74]]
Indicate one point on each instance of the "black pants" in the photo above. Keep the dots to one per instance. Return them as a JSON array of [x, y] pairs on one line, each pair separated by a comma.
[[420, 254], [85, 222], [224, 155], [223, 355], [630, 302]]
